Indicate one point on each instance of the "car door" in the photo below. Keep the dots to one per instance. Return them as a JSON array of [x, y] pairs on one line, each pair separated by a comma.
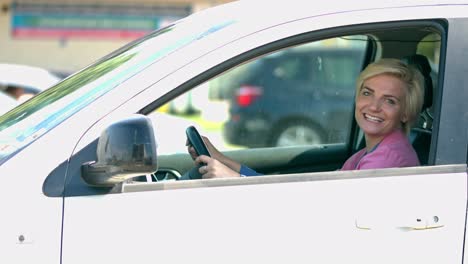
[[403, 215]]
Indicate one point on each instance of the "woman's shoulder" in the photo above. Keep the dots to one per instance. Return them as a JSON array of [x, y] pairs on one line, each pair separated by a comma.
[[352, 162], [398, 153]]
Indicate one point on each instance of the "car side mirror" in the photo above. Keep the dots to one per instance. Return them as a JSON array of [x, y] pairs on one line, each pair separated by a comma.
[[125, 149]]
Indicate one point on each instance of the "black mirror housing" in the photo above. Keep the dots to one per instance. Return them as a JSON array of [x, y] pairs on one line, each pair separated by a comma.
[[125, 149]]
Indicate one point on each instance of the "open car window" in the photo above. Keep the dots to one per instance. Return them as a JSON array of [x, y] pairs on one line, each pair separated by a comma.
[[295, 104], [297, 96]]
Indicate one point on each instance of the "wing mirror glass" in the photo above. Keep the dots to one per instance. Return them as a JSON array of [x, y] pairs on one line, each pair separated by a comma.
[[125, 149]]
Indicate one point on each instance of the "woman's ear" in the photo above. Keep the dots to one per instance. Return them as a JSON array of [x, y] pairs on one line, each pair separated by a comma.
[[404, 118]]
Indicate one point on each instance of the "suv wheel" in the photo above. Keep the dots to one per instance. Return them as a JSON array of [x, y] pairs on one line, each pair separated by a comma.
[[298, 133]]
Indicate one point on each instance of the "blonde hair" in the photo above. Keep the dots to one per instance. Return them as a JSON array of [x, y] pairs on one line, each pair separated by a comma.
[[409, 75]]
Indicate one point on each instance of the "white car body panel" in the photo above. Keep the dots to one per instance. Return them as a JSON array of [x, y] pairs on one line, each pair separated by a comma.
[[252, 223], [27, 212], [189, 223]]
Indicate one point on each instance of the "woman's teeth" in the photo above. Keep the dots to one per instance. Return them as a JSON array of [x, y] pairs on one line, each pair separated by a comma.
[[373, 118]]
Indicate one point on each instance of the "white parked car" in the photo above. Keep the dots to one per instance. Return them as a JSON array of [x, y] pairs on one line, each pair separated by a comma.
[[73, 158], [24, 81]]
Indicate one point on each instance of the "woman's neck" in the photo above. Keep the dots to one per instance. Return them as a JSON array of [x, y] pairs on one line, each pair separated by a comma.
[[372, 142]]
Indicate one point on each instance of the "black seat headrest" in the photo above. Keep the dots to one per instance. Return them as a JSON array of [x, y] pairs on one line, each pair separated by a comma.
[[422, 64]]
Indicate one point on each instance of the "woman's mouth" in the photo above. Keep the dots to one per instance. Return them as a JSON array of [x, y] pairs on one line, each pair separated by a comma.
[[373, 118]]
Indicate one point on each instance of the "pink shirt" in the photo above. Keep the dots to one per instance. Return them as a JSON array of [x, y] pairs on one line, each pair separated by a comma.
[[393, 151]]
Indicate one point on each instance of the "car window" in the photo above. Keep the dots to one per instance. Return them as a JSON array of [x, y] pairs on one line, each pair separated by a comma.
[[301, 95], [429, 46]]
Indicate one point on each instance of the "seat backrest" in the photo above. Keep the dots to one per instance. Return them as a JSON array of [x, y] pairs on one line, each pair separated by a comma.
[[422, 64], [421, 133]]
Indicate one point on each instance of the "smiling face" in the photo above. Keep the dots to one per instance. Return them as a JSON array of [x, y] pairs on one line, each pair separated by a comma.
[[380, 107]]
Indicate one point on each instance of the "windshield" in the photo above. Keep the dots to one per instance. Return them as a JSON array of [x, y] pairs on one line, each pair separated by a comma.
[[27, 122]]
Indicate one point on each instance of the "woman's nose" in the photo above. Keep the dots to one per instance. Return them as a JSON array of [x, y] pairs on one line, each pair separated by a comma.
[[375, 105]]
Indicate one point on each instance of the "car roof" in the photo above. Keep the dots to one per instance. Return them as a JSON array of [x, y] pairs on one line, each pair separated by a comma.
[[294, 9], [245, 17], [26, 76]]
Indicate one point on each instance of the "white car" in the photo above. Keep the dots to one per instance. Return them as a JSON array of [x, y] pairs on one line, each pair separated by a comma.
[[73, 158], [27, 79]]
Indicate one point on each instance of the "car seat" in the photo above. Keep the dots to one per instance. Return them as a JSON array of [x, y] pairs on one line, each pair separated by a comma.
[[421, 133]]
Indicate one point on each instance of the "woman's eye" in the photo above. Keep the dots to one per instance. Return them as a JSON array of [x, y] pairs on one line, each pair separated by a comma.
[[391, 101], [365, 93]]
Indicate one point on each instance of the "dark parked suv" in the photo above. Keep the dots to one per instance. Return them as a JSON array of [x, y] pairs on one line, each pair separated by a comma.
[[293, 97]]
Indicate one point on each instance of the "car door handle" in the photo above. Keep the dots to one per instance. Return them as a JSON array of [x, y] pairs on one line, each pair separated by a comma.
[[424, 224], [413, 224]]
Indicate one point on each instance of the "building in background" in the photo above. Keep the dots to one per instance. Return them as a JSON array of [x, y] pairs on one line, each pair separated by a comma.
[[66, 35]]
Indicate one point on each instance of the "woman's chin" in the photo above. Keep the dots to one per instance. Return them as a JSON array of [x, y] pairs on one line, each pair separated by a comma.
[[373, 132]]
